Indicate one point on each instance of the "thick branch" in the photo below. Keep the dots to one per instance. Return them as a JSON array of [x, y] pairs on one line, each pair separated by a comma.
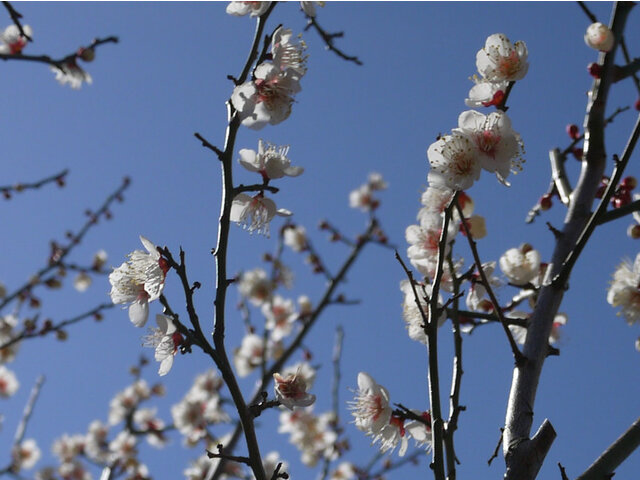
[[605, 466]]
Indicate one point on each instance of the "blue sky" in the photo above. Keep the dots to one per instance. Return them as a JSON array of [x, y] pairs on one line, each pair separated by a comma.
[[166, 79]]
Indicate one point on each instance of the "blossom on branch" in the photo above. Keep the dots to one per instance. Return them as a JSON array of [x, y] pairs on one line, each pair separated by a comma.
[[255, 286], [485, 93], [624, 291], [520, 265], [370, 408], [502, 61], [412, 314], [599, 37], [138, 281], [24, 455], [499, 146], [72, 74], [291, 390], [255, 213], [12, 41], [166, 340], [254, 9], [454, 162], [270, 161], [8, 382], [287, 55]]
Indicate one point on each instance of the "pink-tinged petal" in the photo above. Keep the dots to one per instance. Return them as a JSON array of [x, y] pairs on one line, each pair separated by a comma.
[[139, 312], [165, 365]]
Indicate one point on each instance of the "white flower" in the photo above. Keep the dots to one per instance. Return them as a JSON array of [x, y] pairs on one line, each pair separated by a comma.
[[280, 315], [255, 213], [345, 471], [25, 455], [250, 354], [520, 333], [268, 98], [254, 9], [12, 41], [477, 290], [411, 312], [8, 382], [599, 37], [138, 281], [520, 265], [313, 435], [291, 391], [485, 93], [99, 259], [361, 198], [499, 146], [624, 291], [166, 340], [270, 161], [82, 281], [123, 447], [256, 286], [288, 55], [146, 421], [295, 237], [502, 61], [376, 182], [370, 407], [454, 162], [72, 74], [68, 447], [303, 370]]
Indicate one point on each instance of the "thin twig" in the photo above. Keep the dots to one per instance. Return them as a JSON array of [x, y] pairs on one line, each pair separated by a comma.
[[563, 473], [587, 12], [15, 18], [28, 411], [517, 354], [627, 58], [495, 452], [58, 178], [328, 40]]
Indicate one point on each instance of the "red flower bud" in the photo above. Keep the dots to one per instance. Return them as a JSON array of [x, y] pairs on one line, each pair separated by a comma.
[[595, 70], [573, 131]]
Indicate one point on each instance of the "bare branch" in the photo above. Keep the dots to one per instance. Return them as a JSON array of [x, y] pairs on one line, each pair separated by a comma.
[[328, 40], [58, 178]]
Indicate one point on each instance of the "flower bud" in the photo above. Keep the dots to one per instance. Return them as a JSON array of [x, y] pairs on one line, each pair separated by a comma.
[[86, 54], [573, 131], [595, 70], [629, 183], [599, 37], [634, 231], [545, 202]]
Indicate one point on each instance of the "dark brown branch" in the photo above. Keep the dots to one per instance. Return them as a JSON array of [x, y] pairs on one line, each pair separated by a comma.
[[58, 178], [563, 473], [26, 333], [208, 145], [61, 62], [258, 187], [328, 39], [517, 354], [495, 452], [618, 212], [606, 464], [587, 12]]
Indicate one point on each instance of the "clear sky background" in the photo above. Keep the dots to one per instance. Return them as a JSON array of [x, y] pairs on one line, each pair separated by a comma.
[[166, 79]]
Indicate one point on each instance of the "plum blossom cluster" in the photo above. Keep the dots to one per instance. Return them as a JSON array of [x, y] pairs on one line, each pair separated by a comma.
[[255, 9], [255, 212], [267, 98], [199, 408], [483, 142], [8, 381], [313, 435], [363, 197], [373, 415], [138, 281], [624, 292]]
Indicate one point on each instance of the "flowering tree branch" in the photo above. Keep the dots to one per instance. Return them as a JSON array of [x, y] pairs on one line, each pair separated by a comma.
[[49, 326], [606, 464], [59, 253], [524, 455], [517, 354], [58, 178], [15, 18]]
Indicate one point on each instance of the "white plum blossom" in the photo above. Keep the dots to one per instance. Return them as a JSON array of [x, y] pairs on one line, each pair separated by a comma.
[[502, 61], [312, 435], [485, 93], [370, 408], [499, 146], [254, 9], [124, 402], [303, 370], [255, 213], [8, 382], [280, 315], [344, 471], [411, 312], [96, 445], [477, 291], [287, 55], [599, 37], [255, 286], [270, 161], [68, 447], [454, 162], [268, 98], [291, 390], [138, 281], [147, 421], [166, 340], [295, 237], [520, 265], [251, 354], [72, 74], [624, 291], [363, 198], [24, 455], [201, 406], [82, 282], [12, 41], [520, 333], [123, 447]]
